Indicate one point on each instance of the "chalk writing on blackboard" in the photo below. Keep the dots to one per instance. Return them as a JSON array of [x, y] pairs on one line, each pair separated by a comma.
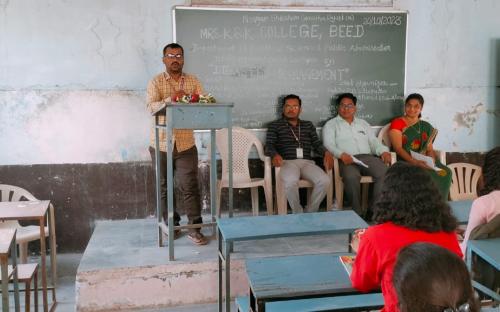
[[252, 58]]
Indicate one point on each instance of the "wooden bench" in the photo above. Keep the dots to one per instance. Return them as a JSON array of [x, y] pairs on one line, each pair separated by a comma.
[[337, 303], [25, 274]]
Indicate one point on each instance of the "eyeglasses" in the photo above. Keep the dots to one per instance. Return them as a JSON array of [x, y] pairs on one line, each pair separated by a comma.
[[171, 56], [465, 307], [292, 107], [346, 106]]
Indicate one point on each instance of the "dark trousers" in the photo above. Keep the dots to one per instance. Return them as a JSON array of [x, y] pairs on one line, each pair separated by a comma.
[[187, 194], [351, 176]]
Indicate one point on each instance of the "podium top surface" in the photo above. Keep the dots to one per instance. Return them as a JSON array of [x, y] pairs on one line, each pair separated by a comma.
[[197, 116], [203, 106]]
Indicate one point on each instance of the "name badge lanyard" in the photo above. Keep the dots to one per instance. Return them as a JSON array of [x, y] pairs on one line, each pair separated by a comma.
[[296, 138], [299, 150]]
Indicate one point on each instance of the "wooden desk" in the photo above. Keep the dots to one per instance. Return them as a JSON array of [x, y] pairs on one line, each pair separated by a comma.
[[8, 248], [296, 277], [461, 209], [264, 227], [355, 302], [36, 210], [489, 250]]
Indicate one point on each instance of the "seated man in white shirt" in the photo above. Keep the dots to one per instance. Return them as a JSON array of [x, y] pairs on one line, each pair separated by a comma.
[[346, 136]]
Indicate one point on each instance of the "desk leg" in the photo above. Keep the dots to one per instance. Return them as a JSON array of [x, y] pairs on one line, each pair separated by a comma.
[[159, 212], [53, 250], [256, 305], [468, 258], [4, 262], [13, 251], [44, 265], [170, 192], [220, 259], [252, 306], [227, 273]]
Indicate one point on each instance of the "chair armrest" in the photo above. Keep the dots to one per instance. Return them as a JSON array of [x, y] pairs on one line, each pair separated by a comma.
[[267, 166], [336, 168], [329, 172]]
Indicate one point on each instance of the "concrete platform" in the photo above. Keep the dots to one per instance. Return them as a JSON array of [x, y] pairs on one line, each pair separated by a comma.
[[123, 269]]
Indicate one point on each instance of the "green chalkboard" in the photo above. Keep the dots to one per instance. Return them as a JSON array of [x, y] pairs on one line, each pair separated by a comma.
[[253, 57]]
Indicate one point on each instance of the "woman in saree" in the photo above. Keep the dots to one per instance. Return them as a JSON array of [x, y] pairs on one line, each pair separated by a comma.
[[411, 134]]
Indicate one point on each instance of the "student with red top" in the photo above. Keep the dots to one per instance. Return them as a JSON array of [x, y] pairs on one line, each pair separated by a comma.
[[410, 209]]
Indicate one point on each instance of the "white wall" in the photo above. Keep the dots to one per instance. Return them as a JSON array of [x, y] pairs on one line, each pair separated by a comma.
[[72, 78], [454, 61], [73, 74]]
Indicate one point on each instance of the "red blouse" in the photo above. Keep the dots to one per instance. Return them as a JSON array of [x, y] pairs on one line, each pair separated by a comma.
[[378, 250], [398, 124]]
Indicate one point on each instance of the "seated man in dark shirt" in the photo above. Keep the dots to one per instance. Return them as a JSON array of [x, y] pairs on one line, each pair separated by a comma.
[[289, 143]]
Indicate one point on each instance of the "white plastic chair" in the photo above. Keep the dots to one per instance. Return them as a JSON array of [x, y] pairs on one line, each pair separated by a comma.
[[464, 181], [243, 142], [281, 201], [25, 234]]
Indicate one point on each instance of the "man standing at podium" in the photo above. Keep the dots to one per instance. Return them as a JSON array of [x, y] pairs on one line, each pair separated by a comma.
[[164, 88], [289, 143]]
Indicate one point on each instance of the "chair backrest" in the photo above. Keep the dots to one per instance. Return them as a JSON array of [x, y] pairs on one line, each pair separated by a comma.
[[13, 193], [243, 142], [464, 181], [383, 135]]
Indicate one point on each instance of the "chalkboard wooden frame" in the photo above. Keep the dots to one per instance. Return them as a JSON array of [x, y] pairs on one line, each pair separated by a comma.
[[318, 107]]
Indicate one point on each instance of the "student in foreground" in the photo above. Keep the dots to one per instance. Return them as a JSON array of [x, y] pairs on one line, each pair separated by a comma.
[[410, 209], [429, 278]]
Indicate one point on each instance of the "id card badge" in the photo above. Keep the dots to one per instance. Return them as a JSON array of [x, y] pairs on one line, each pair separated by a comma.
[[300, 153]]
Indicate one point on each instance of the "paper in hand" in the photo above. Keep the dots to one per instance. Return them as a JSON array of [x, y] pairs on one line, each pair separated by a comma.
[[359, 162], [429, 161]]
